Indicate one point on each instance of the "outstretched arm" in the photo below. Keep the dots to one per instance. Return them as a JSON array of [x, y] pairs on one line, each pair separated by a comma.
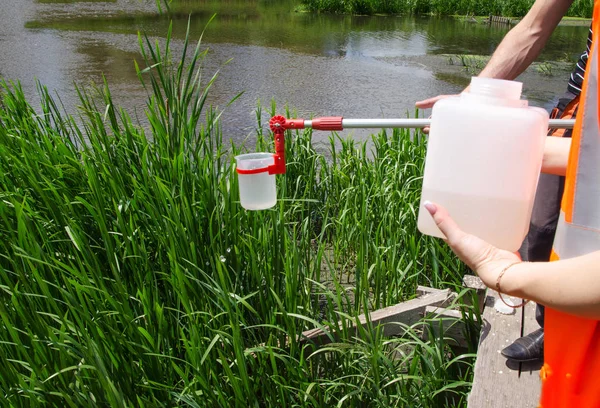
[[521, 45]]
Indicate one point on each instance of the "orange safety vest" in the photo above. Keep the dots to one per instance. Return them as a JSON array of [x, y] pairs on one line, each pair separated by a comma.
[[571, 371]]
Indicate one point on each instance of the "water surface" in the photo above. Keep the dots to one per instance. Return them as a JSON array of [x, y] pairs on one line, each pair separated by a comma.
[[357, 67]]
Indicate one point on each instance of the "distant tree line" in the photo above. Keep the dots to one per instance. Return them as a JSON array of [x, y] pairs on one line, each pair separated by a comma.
[[509, 8]]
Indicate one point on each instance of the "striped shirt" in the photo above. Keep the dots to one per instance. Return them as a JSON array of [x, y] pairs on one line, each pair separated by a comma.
[[576, 79]]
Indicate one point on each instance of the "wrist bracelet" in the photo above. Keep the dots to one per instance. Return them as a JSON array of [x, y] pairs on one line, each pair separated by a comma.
[[525, 301]]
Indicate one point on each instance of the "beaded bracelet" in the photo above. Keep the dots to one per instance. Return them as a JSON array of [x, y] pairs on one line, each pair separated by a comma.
[[525, 301]]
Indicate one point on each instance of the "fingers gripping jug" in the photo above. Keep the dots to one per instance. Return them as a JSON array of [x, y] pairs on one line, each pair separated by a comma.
[[483, 161]]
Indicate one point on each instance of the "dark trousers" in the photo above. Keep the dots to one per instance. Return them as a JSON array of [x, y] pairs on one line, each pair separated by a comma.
[[538, 242], [537, 245]]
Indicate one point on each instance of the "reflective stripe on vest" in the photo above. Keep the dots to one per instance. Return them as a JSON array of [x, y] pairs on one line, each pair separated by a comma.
[[586, 211], [572, 240], [578, 230]]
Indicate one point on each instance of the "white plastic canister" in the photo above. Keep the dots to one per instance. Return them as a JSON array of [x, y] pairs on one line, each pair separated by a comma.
[[483, 162]]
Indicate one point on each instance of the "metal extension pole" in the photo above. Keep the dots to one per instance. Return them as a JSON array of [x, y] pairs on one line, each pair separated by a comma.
[[416, 123], [335, 123]]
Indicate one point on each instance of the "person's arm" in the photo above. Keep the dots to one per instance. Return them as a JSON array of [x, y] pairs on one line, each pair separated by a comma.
[[571, 286], [556, 155], [521, 45]]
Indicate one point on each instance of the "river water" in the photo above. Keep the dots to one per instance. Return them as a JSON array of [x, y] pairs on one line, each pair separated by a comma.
[[356, 67]]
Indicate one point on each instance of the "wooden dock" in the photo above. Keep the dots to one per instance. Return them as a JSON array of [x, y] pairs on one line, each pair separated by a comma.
[[408, 313], [498, 382], [501, 20]]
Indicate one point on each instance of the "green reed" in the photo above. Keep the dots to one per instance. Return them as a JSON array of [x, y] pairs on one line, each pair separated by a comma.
[[131, 276]]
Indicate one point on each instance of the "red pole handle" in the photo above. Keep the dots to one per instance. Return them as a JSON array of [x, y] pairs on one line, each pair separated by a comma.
[[330, 123]]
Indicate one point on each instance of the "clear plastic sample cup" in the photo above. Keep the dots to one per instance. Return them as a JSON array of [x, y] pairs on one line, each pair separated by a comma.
[[257, 186]]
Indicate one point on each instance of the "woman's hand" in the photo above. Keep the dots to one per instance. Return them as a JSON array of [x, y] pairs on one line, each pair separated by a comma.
[[485, 259]]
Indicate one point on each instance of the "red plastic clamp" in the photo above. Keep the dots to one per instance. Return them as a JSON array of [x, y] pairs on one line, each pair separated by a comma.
[[328, 123]]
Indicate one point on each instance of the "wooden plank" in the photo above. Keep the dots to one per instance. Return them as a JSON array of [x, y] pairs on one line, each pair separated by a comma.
[[473, 282], [426, 290], [500, 20], [452, 327], [497, 382], [408, 312]]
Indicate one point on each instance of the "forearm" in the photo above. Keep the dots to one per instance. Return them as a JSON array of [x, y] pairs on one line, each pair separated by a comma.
[[516, 52], [522, 45], [556, 155], [571, 285]]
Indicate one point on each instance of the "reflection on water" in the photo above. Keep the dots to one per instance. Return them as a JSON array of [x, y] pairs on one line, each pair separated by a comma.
[[318, 64]]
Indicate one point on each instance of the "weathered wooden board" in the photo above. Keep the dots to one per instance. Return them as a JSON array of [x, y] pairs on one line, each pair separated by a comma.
[[408, 313], [501, 20], [497, 381], [473, 282], [452, 326]]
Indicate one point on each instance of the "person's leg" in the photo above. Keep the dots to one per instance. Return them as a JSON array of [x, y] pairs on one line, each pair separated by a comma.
[[539, 314]]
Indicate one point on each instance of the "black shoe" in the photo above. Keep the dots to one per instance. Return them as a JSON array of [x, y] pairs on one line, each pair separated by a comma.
[[527, 348]]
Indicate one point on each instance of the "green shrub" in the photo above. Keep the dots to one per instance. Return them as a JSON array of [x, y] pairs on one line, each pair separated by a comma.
[[516, 8], [581, 8], [361, 6], [509, 8]]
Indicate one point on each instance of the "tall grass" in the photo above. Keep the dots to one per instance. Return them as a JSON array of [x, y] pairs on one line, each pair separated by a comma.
[[510, 8], [132, 277]]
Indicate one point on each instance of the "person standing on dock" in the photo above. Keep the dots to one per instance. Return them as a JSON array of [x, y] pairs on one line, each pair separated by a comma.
[[519, 48], [569, 284]]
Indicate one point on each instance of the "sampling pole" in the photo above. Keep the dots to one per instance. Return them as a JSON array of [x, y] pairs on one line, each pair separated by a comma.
[[279, 124], [335, 123]]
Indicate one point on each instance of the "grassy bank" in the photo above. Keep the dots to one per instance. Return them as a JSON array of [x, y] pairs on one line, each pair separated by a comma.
[[132, 277], [508, 8]]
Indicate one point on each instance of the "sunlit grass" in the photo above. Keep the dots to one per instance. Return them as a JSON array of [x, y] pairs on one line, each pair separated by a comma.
[[131, 276]]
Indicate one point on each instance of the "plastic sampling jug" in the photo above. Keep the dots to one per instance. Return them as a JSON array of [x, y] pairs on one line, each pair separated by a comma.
[[257, 187], [484, 157]]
